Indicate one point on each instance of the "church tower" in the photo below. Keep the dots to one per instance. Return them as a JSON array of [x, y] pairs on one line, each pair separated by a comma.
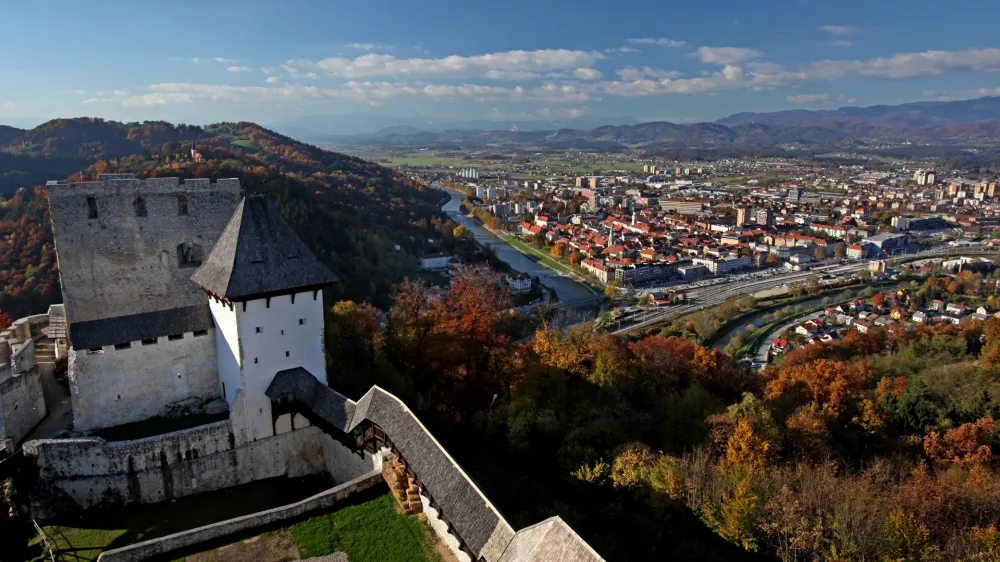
[[265, 293]]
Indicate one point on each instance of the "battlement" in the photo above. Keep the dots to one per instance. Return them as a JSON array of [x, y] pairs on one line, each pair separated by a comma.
[[118, 184]]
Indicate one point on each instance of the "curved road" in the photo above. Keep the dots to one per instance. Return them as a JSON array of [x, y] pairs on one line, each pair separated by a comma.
[[566, 288]]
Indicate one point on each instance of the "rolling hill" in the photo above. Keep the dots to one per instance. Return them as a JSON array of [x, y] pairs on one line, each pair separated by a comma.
[[365, 221], [947, 124]]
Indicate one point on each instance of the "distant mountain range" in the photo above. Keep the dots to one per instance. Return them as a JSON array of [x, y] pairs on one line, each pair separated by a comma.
[[955, 123]]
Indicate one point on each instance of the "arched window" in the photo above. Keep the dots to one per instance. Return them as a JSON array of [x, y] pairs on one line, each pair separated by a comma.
[[189, 254]]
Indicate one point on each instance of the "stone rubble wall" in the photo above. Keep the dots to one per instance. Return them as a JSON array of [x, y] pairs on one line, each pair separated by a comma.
[[93, 472], [120, 261]]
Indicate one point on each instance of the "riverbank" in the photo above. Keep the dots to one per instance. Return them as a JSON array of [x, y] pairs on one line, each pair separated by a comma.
[[565, 287]]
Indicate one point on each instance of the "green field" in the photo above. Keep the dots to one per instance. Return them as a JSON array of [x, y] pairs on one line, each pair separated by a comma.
[[246, 144]]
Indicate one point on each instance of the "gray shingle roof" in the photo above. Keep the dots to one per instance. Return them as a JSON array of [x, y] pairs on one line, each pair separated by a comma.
[[259, 254], [551, 540], [136, 327], [299, 385], [473, 516], [476, 520]]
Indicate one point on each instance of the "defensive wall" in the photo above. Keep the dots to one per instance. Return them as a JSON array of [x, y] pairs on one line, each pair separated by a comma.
[[93, 472]]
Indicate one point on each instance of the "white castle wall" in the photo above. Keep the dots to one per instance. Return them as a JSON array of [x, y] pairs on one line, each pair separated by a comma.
[[227, 345], [271, 335], [93, 472], [117, 386]]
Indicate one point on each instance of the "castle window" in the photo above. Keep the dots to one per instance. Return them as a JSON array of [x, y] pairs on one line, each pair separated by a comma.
[[199, 333], [189, 254], [286, 354], [254, 360], [150, 341], [282, 332], [175, 337], [94, 350], [91, 208], [140, 206], [182, 205], [126, 345], [302, 321]]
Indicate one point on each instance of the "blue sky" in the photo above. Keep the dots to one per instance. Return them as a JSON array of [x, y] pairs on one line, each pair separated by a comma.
[[278, 62]]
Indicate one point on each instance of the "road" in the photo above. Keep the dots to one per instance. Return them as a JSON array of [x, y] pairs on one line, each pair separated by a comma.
[[713, 295], [762, 350], [565, 287]]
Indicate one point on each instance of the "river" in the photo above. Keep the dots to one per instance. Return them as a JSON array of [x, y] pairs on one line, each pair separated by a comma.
[[566, 288], [758, 319]]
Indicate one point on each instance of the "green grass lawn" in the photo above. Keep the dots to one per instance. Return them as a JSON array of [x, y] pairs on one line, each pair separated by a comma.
[[368, 529], [83, 538]]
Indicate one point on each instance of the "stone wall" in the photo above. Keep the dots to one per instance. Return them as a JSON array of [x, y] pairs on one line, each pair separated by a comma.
[[241, 525], [125, 245], [22, 403], [94, 472], [115, 386]]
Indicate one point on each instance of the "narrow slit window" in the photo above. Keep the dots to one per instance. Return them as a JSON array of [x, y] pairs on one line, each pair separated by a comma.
[[91, 208], [182, 205], [140, 207]]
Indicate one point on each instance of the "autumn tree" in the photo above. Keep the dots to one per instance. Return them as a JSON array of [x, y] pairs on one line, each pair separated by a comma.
[[969, 443]]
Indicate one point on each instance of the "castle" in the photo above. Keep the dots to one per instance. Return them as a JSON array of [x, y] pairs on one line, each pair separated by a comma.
[[192, 297]]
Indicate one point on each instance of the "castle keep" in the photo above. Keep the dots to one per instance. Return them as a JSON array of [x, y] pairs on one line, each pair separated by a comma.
[[190, 296]]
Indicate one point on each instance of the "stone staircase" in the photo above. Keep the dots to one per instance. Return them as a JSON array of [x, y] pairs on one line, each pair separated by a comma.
[[45, 355], [403, 486]]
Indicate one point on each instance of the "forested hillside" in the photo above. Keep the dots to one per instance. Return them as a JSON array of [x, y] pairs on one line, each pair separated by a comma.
[[878, 447], [367, 222]]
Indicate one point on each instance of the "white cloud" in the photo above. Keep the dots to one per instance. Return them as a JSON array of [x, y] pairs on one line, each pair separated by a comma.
[[310, 75], [224, 60], [368, 47], [544, 112], [962, 94], [628, 50], [660, 41], [120, 93], [94, 101], [575, 113], [560, 93], [239, 69], [810, 98], [80, 92], [837, 29], [840, 43], [726, 55], [588, 74], [195, 60], [633, 73], [497, 65], [8, 105], [272, 80]]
